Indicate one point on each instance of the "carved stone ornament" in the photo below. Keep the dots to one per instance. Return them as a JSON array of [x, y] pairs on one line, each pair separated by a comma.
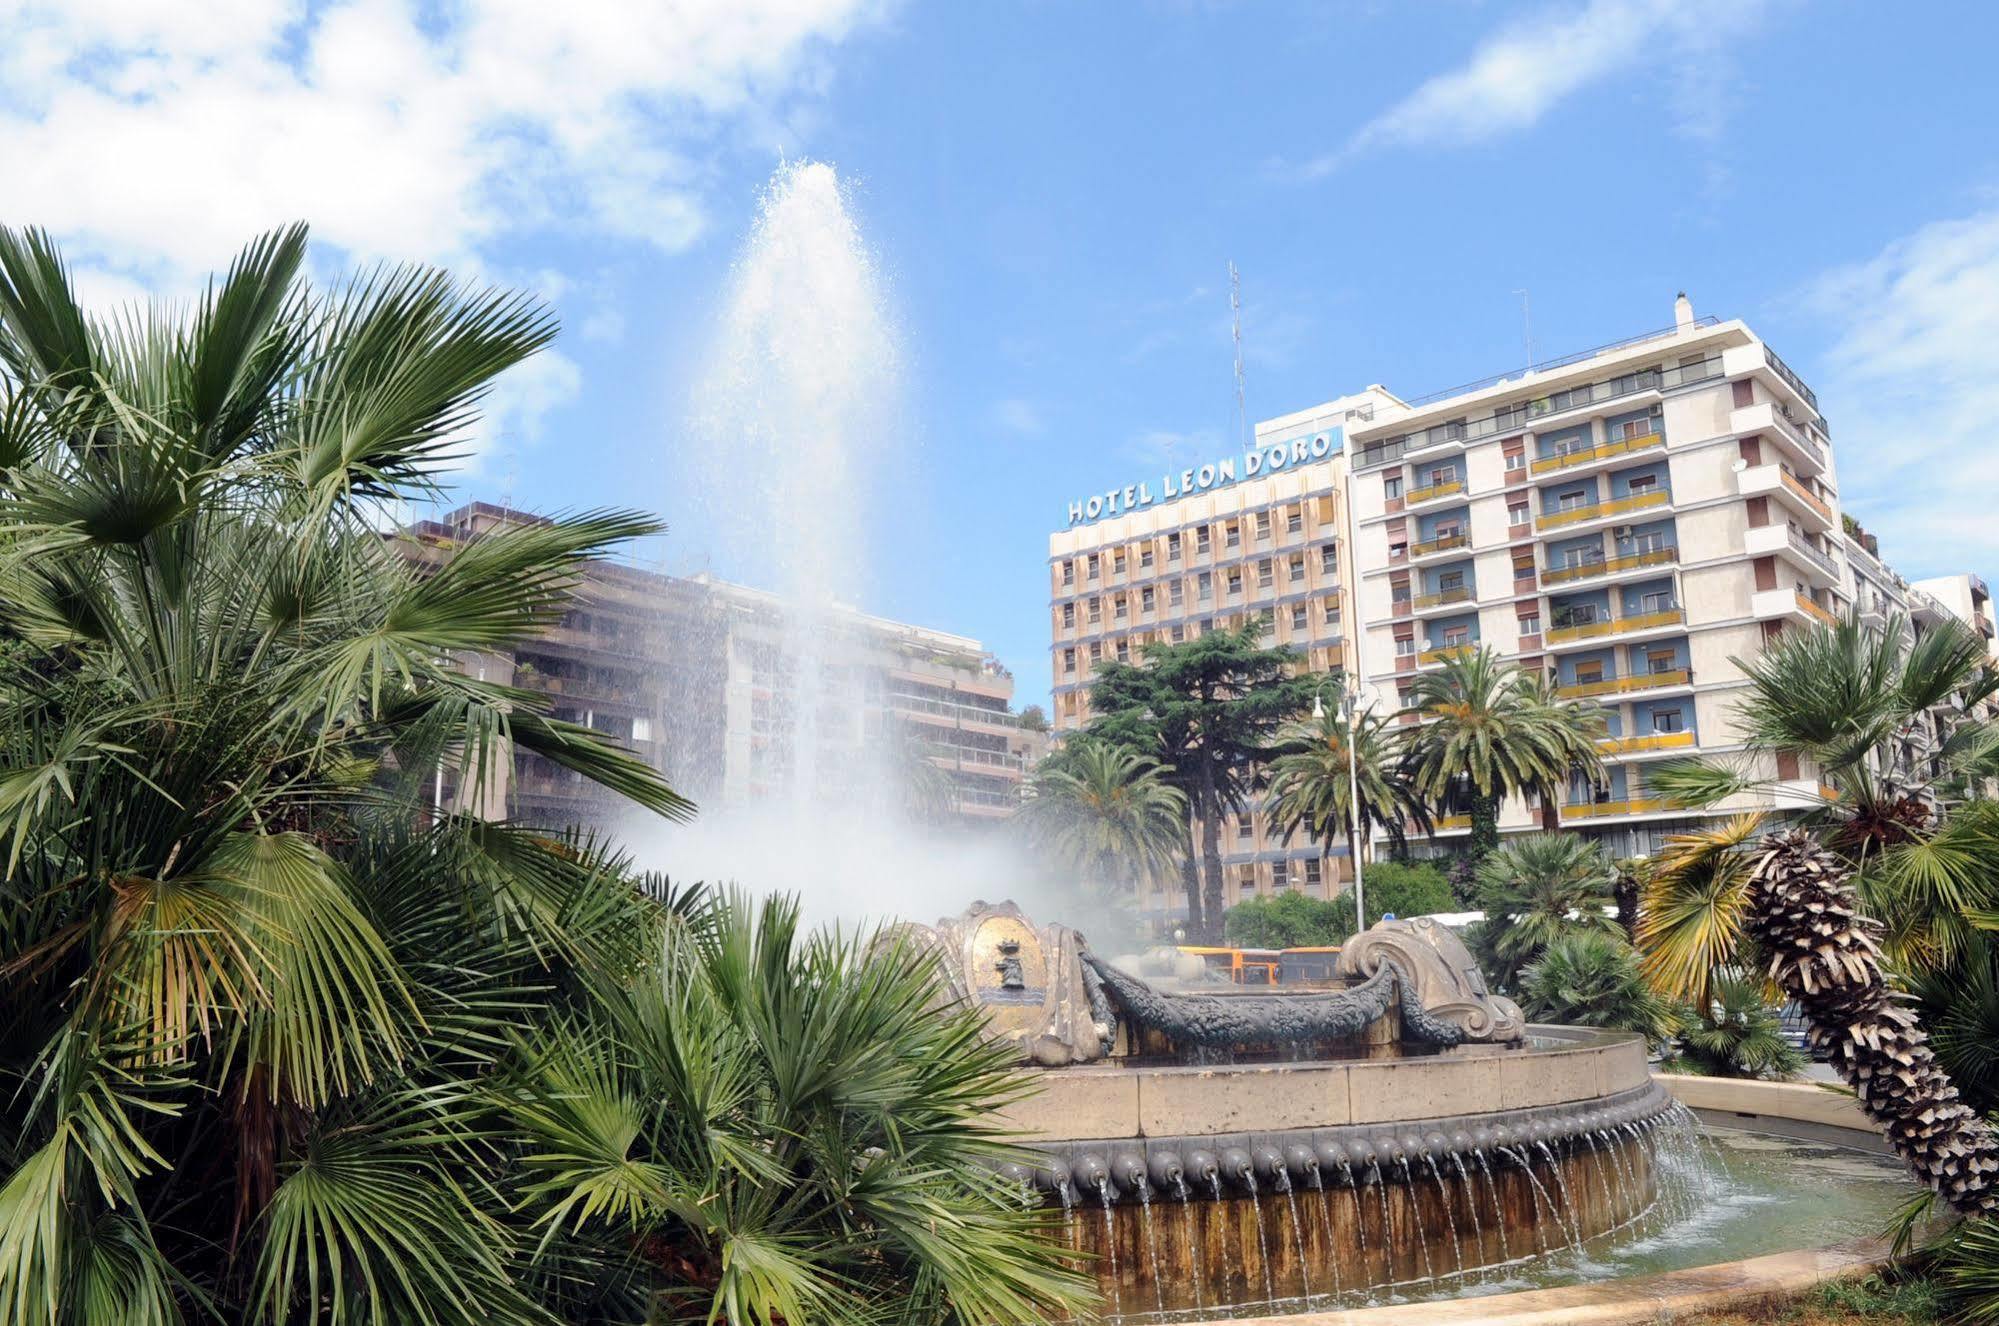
[[1030, 981], [1447, 984]]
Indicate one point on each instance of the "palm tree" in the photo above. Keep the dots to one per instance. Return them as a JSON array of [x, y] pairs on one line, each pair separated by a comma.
[[1106, 813], [1312, 782], [1538, 889], [1593, 979], [256, 988], [1739, 1035], [786, 1125], [1490, 730], [1790, 902]]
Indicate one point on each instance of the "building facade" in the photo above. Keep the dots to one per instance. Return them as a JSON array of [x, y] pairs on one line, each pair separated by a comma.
[[700, 678], [1257, 537]]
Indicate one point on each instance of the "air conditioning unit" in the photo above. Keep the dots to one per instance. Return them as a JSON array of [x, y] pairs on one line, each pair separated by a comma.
[[1620, 531], [1656, 410]]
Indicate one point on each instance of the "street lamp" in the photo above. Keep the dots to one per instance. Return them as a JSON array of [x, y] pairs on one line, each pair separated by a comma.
[[1350, 710]]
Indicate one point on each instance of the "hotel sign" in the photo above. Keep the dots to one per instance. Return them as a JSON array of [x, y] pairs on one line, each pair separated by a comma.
[[1263, 459]]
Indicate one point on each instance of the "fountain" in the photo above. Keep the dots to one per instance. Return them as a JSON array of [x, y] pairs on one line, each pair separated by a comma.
[[1428, 1143]]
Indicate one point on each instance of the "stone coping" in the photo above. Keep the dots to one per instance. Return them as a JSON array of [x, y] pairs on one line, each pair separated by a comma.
[[1110, 1102], [1774, 1277]]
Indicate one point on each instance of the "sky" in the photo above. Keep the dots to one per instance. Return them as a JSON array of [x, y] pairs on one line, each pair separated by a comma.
[[1053, 194]]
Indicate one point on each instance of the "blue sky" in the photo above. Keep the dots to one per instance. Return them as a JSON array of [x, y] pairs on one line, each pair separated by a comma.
[[1054, 192]]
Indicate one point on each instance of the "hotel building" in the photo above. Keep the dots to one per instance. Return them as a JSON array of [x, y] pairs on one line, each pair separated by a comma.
[[699, 678], [1256, 537]]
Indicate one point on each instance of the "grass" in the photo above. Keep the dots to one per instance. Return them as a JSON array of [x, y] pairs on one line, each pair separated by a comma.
[[1902, 1300]]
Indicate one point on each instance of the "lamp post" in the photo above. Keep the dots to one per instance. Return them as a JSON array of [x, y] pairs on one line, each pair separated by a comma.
[[1350, 710]]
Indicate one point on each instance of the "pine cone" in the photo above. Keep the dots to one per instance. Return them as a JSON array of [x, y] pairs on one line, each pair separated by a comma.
[[1824, 954]]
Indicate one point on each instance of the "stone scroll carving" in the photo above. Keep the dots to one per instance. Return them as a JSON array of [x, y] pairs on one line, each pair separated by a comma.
[[1029, 980], [1447, 985], [1223, 1021]]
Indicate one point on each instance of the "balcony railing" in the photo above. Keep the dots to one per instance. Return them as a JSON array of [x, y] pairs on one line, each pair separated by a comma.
[[1637, 681], [1604, 566], [1811, 498], [1813, 610], [1602, 451], [1589, 810], [1576, 515], [1811, 554], [1783, 371], [1429, 656], [1447, 488], [1457, 594], [1639, 745], [1442, 544], [1644, 621]]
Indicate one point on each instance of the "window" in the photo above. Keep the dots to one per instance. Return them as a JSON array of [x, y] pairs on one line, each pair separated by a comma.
[[1398, 550], [1329, 558], [1280, 874], [641, 728], [1398, 594], [1069, 572], [1263, 524], [1179, 633], [1246, 880], [1235, 580], [1651, 541], [1266, 573], [1118, 606], [1068, 615], [1299, 617], [1145, 556], [1456, 636], [1332, 610], [1644, 483], [1516, 513], [1245, 829], [1145, 599], [1632, 429], [1658, 600], [1447, 529], [1096, 611], [1661, 660], [1297, 569], [1574, 498], [1096, 650], [1531, 624], [1590, 670], [1205, 586], [1068, 660], [1232, 534], [1580, 614], [1117, 562], [1202, 539], [1173, 546], [1583, 556], [1314, 875], [1405, 646], [1442, 475], [1294, 520], [1391, 487], [1669, 720], [1516, 460], [1175, 592], [1450, 580], [1094, 565], [1124, 651]]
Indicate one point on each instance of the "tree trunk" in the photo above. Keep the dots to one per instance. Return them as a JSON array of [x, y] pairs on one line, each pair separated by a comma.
[[1215, 902], [1625, 893], [1551, 811], [1484, 826], [1190, 879], [1823, 954]]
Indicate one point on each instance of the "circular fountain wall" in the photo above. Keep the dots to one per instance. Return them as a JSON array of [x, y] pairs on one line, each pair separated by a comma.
[[1206, 1190]]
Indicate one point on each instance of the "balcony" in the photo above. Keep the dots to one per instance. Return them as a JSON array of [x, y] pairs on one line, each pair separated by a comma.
[[1596, 810], [1581, 456], [1788, 605], [1432, 656], [1638, 681], [1765, 540], [1610, 566], [1443, 598], [1578, 515], [1442, 544], [1644, 621], [1646, 745], [1812, 511], [1777, 423], [1448, 488]]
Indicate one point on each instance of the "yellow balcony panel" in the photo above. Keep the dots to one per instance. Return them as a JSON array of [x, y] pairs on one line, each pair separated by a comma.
[[1647, 621], [1639, 681], [1640, 745], [1811, 498], [1442, 544], [1602, 451], [1630, 806], [1461, 594], [1597, 510], [1448, 488], [1556, 575], [1429, 656], [1446, 823], [1813, 610]]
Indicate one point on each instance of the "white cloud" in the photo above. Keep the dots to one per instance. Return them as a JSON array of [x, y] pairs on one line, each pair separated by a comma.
[[153, 138], [1017, 416], [1912, 396], [1520, 73]]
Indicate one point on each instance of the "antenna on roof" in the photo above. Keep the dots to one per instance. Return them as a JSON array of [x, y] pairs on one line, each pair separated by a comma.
[[1235, 315], [1526, 329]]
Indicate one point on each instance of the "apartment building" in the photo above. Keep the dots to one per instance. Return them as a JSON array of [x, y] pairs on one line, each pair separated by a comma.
[[1257, 537], [700, 678], [1627, 521]]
